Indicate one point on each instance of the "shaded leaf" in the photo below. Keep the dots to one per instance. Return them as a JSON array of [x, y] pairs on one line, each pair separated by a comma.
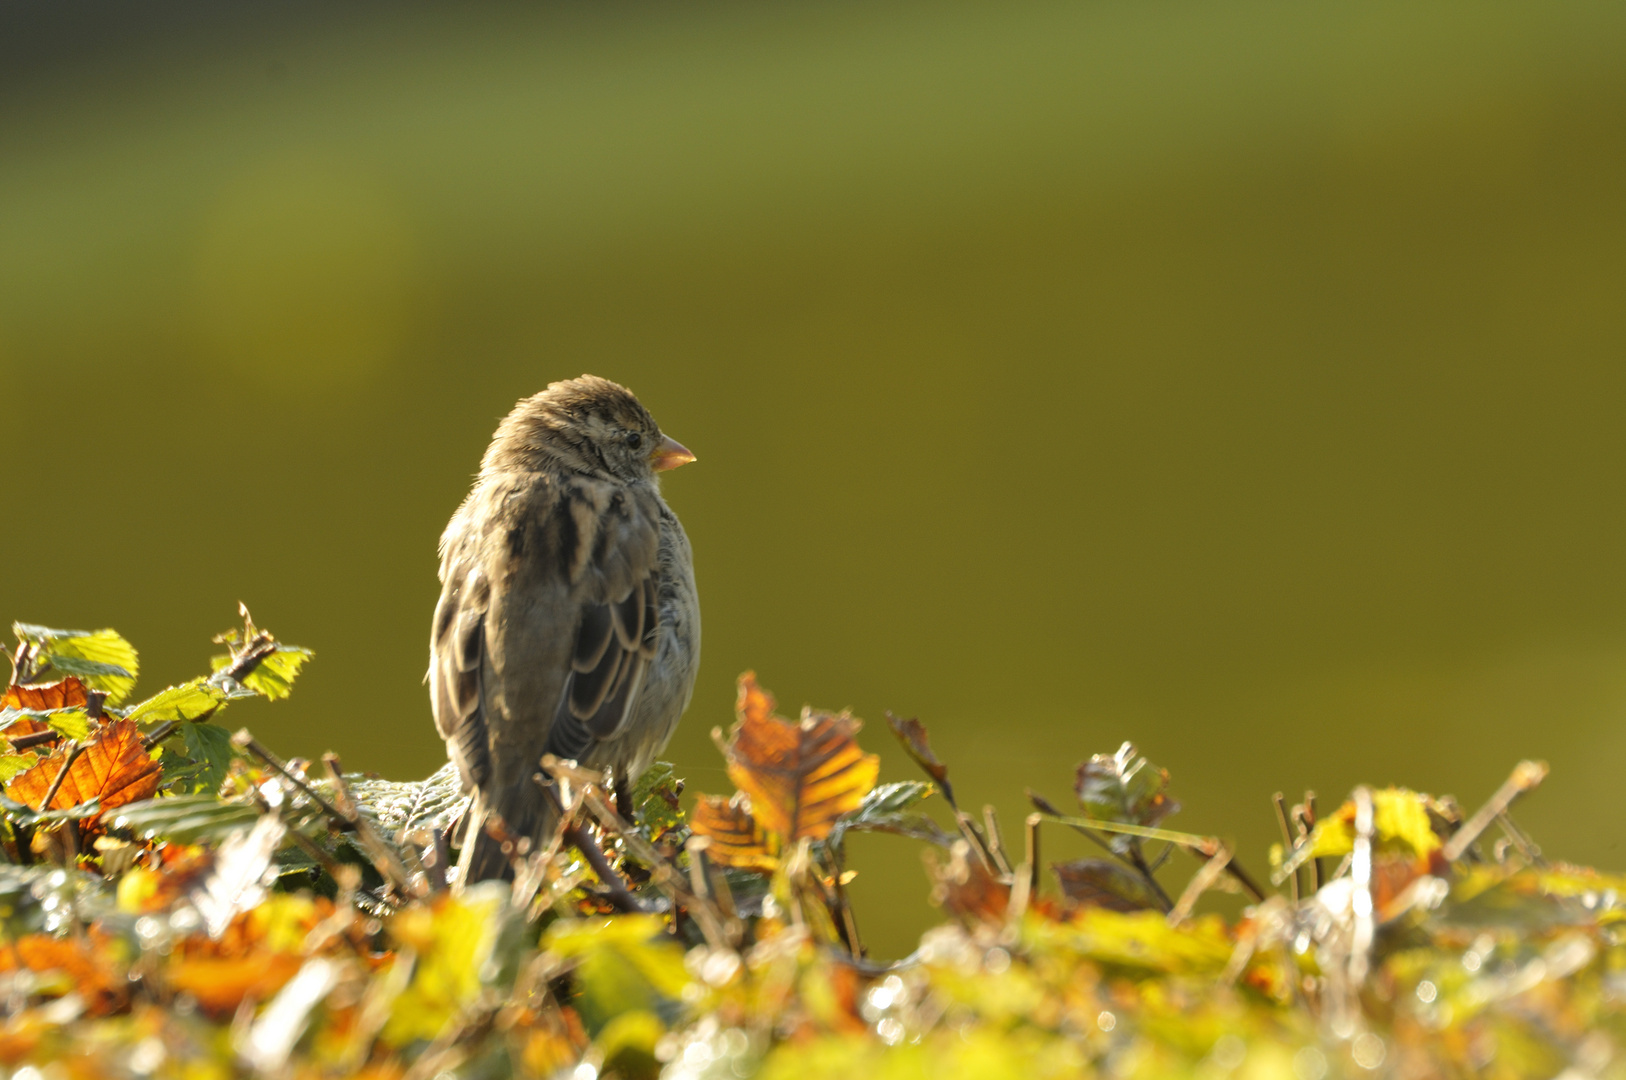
[[210, 746], [186, 819], [889, 808], [656, 799], [1104, 883], [912, 734], [67, 694], [102, 659], [965, 888], [1126, 788], [800, 776], [21, 814], [114, 769], [736, 838]]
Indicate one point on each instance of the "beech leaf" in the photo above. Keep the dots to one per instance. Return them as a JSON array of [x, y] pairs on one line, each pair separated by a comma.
[[1124, 788], [736, 838], [102, 659], [114, 769], [800, 776]]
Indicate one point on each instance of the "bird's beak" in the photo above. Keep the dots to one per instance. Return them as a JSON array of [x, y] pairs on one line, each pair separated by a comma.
[[669, 455]]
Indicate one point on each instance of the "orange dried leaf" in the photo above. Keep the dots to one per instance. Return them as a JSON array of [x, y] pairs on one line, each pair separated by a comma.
[[80, 960], [114, 768], [800, 776], [736, 838], [966, 888], [67, 694], [219, 984]]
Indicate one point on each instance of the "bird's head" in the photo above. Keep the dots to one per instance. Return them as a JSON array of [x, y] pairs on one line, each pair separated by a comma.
[[587, 425]]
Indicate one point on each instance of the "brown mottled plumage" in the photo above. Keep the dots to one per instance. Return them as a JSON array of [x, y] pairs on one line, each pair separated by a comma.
[[568, 622]]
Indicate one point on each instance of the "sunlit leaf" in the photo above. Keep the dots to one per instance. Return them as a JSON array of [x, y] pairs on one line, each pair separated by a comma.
[[800, 776], [1400, 821], [113, 769], [274, 676], [13, 764], [102, 659], [67, 694], [623, 964], [1104, 883], [1124, 787], [69, 723], [452, 939], [736, 838], [190, 701], [912, 734]]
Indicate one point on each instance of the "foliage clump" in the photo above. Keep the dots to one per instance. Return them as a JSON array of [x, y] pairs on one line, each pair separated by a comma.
[[177, 901]]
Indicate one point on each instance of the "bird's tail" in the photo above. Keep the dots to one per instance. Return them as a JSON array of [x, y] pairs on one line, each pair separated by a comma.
[[501, 828]]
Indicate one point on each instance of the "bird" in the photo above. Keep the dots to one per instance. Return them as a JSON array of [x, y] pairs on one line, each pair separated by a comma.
[[568, 621]]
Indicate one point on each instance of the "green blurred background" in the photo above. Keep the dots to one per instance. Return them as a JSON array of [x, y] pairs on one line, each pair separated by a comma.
[[1244, 381]]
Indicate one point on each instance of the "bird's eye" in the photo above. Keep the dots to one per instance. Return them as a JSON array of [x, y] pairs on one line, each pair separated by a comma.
[[634, 439]]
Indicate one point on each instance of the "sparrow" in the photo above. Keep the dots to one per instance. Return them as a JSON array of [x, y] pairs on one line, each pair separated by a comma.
[[568, 622]]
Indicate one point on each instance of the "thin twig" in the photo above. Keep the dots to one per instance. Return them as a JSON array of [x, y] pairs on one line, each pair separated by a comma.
[[1280, 803], [159, 734], [383, 857], [74, 750], [849, 920], [996, 841], [1032, 851], [1201, 882], [244, 741], [1526, 776], [1318, 876]]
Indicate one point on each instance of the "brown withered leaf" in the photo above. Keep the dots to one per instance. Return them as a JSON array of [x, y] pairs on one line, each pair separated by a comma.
[[800, 776], [736, 838], [114, 768], [1105, 884], [67, 694], [965, 887], [912, 734]]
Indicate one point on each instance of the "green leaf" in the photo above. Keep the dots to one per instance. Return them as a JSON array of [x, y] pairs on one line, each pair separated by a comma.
[[21, 814], [889, 808], [186, 819], [210, 746], [12, 765], [190, 701], [69, 723], [655, 796], [102, 658], [430, 803], [1125, 788], [625, 964], [274, 677]]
